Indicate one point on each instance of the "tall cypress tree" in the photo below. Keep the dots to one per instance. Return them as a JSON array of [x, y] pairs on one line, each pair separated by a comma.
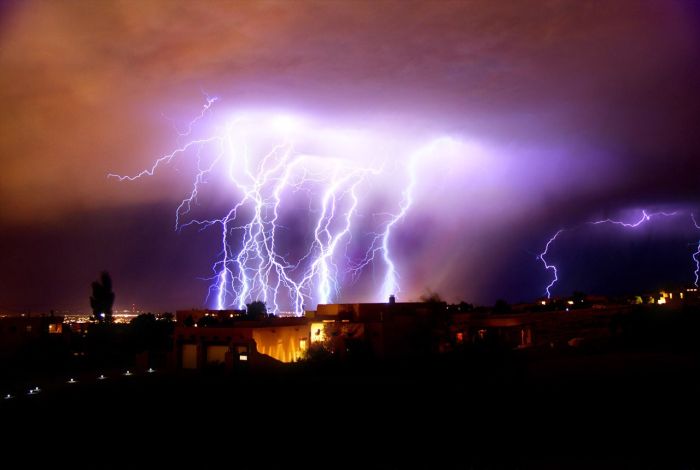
[[102, 298]]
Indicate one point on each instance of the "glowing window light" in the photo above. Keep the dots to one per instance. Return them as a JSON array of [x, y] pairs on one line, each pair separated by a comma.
[[243, 357], [544, 302], [662, 300], [318, 333], [570, 302]]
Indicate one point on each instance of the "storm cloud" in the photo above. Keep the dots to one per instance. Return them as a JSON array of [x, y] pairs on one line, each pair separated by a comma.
[[584, 108]]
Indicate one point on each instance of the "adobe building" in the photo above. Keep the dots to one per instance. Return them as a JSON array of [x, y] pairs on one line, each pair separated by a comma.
[[384, 330], [210, 337], [20, 331]]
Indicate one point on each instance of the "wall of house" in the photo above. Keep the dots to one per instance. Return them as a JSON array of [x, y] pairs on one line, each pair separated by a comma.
[[284, 343]]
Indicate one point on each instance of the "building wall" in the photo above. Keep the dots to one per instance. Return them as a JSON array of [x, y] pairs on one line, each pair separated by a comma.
[[189, 356], [286, 343]]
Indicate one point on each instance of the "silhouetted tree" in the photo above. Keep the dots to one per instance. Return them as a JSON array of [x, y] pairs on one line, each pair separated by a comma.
[[465, 307], [501, 307], [431, 297], [102, 298], [256, 310]]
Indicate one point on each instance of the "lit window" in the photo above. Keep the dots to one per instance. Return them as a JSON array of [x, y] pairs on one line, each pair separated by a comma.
[[318, 333], [243, 357]]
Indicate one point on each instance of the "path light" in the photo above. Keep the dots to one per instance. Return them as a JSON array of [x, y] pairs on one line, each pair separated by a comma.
[[151, 370], [101, 377], [8, 397], [71, 380], [127, 373]]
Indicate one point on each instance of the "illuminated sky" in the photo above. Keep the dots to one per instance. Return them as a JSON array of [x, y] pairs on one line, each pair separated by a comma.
[[580, 110]]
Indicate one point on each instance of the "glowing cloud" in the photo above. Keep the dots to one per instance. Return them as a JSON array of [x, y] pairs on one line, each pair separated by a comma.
[[267, 179]]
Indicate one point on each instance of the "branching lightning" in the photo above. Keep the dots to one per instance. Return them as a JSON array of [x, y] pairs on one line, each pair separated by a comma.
[[380, 244], [696, 255], [645, 217], [548, 266], [251, 264]]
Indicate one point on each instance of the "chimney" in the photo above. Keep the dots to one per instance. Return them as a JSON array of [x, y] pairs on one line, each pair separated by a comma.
[[392, 299]]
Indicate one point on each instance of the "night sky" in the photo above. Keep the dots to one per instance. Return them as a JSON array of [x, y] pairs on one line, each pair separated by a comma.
[[566, 112]]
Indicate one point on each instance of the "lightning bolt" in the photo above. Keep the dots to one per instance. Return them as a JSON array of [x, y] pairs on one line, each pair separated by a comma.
[[548, 266], [696, 255], [645, 217], [380, 244], [210, 102], [250, 264]]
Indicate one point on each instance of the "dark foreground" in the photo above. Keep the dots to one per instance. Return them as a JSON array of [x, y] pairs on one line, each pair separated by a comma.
[[571, 409]]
